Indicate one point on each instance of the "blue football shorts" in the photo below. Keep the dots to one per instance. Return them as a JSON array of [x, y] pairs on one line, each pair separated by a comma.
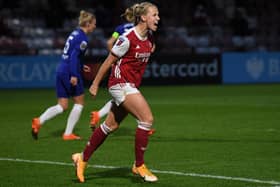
[[64, 89]]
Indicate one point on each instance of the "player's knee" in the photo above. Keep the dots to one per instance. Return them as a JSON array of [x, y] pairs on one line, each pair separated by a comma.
[[149, 119], [65, 107], [113, 125]]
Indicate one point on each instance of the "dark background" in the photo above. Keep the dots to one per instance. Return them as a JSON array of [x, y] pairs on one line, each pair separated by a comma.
[[187, 26]]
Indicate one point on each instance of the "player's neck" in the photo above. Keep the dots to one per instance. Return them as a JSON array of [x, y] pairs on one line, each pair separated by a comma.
[[141, 30], [84, 29]]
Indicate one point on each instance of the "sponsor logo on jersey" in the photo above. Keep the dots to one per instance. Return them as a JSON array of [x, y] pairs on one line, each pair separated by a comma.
[[83, 45], [143, 57]]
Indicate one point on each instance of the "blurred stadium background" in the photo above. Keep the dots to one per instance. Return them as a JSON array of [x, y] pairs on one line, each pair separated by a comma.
[[198, 41], [190, 26]]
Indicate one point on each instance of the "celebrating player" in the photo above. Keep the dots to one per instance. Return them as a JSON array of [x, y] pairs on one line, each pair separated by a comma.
[[129, 57], [119, 30], [69, 82]]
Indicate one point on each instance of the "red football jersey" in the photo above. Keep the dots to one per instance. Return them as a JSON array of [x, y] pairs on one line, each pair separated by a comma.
[[133, 52]]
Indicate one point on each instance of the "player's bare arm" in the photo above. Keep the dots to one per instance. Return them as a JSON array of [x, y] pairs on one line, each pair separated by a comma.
[[101, 73]]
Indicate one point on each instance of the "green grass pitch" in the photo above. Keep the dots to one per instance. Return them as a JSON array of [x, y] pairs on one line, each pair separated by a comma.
[[212, 136]]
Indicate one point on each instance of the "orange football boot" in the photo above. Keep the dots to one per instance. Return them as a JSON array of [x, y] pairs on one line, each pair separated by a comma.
[[144, 172], [94, 119], [71, 137], [35, 128], [80, 166]]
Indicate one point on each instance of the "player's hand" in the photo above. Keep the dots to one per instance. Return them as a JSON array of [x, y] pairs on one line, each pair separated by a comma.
[[93, 90], [74, 81]]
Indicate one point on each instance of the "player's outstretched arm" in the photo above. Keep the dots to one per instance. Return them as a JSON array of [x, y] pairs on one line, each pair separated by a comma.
[[101, 73]]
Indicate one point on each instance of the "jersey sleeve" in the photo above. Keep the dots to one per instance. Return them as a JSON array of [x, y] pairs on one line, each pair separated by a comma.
[[121, 46]]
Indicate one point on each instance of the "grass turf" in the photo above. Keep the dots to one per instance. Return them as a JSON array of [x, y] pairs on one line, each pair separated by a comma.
[[208, 131]]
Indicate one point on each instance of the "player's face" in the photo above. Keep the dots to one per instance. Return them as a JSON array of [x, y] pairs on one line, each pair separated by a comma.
[[91, 25], [152, 18]]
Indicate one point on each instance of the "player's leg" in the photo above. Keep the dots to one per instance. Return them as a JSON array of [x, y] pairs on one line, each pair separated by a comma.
[[53, 111], [137, 105], [48, 114], [97, 115], [113, 119], [73, 118], [77, 93], [62, 92]]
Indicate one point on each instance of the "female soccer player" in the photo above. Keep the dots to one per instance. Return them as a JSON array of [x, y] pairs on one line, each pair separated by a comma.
[[129, 57], [119, 30], [69, 82]]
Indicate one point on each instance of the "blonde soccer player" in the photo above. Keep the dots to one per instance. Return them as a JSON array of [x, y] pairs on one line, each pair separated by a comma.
[[96, 115], [69, 82], [129, 57]]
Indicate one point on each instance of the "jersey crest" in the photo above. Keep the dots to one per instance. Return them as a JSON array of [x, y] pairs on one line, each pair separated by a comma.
[[83, 45]]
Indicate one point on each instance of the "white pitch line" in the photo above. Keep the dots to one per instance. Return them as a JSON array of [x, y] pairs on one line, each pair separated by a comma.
[[153, 170], [216, 177]]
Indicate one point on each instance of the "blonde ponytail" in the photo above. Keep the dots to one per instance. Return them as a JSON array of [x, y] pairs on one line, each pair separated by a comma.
[[128, 14]]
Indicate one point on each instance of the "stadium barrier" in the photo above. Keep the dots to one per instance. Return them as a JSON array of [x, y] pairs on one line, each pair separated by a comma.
[[28, 71], [228, 68], [254, 67], [183, 69]]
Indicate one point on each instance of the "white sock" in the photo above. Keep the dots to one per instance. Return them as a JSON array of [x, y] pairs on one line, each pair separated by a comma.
[[105, 109], [50, 113], [73, 118]]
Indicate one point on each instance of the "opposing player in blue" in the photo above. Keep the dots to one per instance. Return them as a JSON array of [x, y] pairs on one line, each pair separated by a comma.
[[69, 82]]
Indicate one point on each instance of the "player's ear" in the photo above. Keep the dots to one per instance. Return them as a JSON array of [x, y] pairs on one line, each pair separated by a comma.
[[143, 18]]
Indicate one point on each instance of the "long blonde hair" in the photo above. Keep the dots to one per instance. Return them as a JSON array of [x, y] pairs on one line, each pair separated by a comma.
[[85, 17], [140, 10]]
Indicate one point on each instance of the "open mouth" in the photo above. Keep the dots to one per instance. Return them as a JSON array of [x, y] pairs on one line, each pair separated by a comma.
[[156, 25]]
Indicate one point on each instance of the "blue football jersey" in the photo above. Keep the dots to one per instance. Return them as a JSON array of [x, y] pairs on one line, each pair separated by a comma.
[[74, 49], [71, 65]]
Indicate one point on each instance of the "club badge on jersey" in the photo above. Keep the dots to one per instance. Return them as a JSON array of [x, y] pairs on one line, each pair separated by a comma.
[[83, 45]]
